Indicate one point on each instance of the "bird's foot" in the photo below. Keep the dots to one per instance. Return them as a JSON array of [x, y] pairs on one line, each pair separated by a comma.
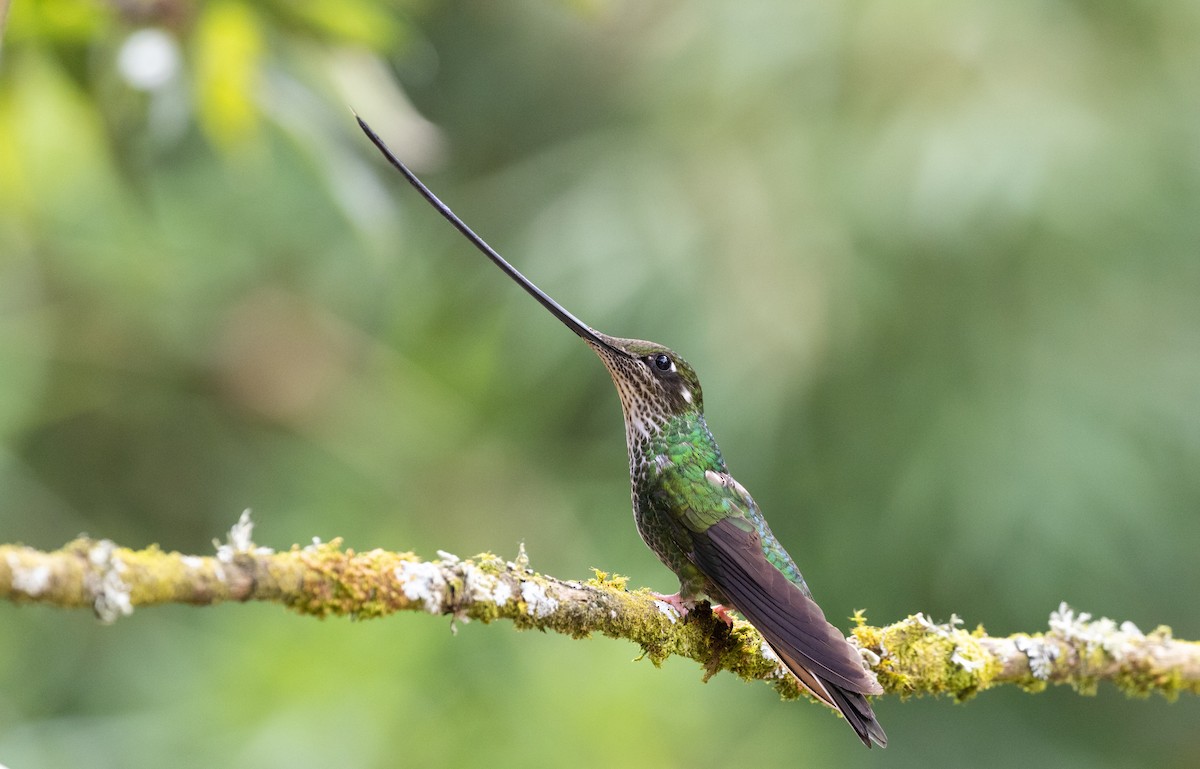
[[723, 613], [675, 601], [683, 606]]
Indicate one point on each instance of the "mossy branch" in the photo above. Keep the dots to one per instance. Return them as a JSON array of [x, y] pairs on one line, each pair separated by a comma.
[[913, 656]]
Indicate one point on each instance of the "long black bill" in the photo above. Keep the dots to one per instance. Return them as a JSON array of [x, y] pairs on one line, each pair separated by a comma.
[[571, 322]]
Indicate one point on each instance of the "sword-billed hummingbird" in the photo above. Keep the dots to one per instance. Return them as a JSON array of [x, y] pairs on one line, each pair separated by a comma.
[[697, 519]]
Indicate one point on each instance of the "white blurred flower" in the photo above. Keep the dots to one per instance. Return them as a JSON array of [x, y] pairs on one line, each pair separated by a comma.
[[148, 59]]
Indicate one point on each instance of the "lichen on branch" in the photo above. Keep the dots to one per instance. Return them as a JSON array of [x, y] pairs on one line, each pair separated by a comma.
[[911, 657]]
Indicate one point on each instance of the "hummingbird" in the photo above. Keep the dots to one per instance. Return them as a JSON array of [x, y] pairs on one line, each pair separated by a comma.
[[700, 522]]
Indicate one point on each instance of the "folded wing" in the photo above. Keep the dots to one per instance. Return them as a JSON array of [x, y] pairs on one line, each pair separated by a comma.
[[730, 554]]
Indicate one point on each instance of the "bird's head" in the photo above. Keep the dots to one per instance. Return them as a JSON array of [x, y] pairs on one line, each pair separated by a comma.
[[654, 383]]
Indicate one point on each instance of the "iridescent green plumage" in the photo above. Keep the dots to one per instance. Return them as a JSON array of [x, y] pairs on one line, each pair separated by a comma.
[[707, 529], [700, 521]]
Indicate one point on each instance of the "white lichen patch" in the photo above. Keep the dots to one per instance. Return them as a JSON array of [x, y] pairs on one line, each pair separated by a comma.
[[964, 662], [1041, 655], [537, 602], [869, 657], [423, 582], [100, 554], [239, 540], [966, 654], [1118, 641], [192, 561], [667, 610], [502, 593], [30, 581], [1066, 623], [110, 594], [480, 586], [946, 630]]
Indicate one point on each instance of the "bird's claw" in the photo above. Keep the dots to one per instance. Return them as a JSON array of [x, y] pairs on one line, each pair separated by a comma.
[[723, 613], [683, 606], [675, 601]]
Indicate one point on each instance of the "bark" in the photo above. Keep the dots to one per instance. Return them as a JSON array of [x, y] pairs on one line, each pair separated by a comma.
[[912, 656]]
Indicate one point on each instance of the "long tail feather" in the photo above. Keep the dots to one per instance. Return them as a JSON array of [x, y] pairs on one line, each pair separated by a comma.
[[792, 623], [857, 712]]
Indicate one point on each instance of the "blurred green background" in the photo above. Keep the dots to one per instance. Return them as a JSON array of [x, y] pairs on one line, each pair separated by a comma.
[[938, 265]]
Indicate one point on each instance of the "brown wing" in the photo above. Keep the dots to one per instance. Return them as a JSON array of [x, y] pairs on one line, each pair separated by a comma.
[[791, 622]]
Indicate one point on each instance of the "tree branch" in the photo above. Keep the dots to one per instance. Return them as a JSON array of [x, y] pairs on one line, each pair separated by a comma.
[[913, 656]]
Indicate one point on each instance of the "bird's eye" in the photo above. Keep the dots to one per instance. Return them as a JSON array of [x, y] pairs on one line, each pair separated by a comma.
[[662, 362]]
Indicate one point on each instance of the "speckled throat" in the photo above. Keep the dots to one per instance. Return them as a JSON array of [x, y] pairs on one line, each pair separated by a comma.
[[649, 396]]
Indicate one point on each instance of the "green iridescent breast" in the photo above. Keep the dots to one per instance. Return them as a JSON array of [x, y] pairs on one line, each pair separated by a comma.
[[681, 486]]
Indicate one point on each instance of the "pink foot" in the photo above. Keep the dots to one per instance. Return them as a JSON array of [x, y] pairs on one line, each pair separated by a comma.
[[724, 614], [675, 602]]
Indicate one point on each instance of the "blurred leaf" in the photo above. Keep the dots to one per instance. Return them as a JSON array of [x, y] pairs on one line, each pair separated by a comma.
[[352, 22], [228, 48], [57, 21]]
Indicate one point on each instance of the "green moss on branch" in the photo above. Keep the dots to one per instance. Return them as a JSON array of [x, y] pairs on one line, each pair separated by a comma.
[[912, 657]]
